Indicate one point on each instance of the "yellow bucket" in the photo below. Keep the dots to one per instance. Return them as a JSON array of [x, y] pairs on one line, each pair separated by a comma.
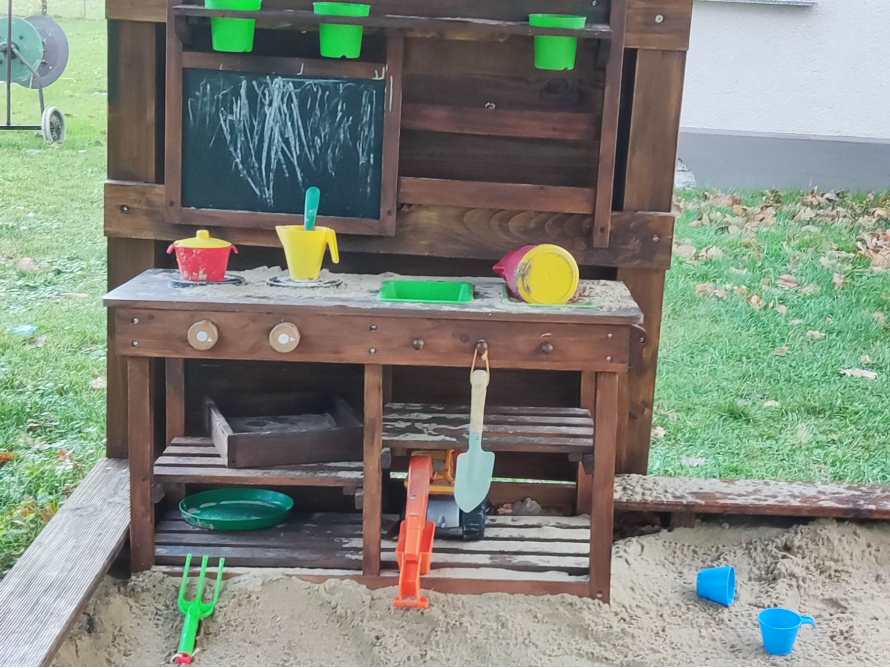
[[305, 250]]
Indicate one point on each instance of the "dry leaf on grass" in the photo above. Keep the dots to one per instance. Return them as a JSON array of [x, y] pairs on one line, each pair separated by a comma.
[[38, 342], [781, 352], [710, 253], [876, 247], [815, 335], [722, 200], [26, 264], [865, 359], [781, 309], [810, 289], [879, 317], [693, 461], [6, 457], [755, 301], [685, 250], [796, 321], [839, 281], [771, 403], [98, 383], [812, 229], [881, 213], [710, 290], [860, 373], [658, 432], [788, 282], [741, 290]]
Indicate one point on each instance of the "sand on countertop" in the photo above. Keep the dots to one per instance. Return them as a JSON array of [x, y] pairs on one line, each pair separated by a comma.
[[837, 572]]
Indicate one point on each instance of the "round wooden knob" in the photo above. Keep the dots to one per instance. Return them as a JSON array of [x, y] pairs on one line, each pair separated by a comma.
[[284, 337], [203, 335]]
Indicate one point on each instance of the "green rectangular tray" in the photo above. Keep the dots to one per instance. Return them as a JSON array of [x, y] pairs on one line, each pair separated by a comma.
[[427, 292]]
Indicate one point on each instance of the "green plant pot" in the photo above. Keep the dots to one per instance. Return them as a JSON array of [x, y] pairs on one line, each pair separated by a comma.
[[233, 35], [340, 41], [556, 53]]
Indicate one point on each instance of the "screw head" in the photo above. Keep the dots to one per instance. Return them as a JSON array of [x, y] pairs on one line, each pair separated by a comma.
[[373, 351], [659, 18], [135, 321], [656, 238], [373, 328], [417, 343], [609, 358], [546, 347], [610, 335], [135, 344]]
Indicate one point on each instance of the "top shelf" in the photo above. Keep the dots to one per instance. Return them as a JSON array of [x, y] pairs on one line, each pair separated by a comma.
[[283, 18]]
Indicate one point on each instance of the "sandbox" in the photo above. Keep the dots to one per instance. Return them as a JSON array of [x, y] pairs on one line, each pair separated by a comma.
[[837, 572]]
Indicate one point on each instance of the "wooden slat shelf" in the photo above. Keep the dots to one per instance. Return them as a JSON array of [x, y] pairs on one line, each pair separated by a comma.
[[195, 460], [507, 428], [526, 549], [424, 24]]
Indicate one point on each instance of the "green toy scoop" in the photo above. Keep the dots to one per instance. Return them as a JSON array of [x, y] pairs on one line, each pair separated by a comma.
[[310, 209]]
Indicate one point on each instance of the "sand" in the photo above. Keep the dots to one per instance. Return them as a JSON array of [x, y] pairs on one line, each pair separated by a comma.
[[837, 572]]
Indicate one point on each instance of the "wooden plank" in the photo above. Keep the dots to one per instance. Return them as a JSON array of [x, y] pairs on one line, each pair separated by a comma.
[[44, 593], [140, 417], [135, 152], [608, 137], [479, 194], [603, 496], [649, 183], [174, 378], [585, 479], [173, 122], [438, 26], [638, 238], [752, 497], [493, 121], [645, 30], [278, 65], [372, 499], [392, 132], [516, 10]]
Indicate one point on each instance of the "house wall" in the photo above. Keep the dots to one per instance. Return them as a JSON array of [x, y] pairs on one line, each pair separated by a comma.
[[789, 96]]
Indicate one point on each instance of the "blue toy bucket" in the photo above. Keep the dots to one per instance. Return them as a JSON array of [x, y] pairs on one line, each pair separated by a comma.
[[717, 584], [779, 628]]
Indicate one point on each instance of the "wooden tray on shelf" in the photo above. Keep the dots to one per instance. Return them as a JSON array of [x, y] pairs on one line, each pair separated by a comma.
[[284, 429]]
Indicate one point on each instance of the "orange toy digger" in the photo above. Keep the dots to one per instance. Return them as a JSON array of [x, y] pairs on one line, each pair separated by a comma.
[[415, 536]]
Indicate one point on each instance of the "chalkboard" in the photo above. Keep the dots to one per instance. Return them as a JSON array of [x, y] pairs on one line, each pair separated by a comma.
[[257, 143]]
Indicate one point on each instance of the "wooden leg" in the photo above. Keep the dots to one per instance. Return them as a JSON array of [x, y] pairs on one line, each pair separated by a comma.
[[603, 494], [585, 480], [141, 430], [175, 380], [372, 495]]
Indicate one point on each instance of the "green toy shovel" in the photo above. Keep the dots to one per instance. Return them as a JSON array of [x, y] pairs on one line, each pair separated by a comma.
[[472, 478], [195, 610], [310, 209]]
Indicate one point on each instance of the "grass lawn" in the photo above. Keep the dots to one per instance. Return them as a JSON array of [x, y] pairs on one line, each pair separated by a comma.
[[768, 301]]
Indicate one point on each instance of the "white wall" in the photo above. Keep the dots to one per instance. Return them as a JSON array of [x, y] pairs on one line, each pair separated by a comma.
[[822, 70]]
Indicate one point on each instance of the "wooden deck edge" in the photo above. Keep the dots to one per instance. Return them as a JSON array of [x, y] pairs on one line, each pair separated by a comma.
[[705, 496], [46, 590]]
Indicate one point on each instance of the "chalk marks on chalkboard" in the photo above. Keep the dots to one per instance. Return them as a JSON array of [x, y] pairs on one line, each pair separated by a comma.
[[281, 133]]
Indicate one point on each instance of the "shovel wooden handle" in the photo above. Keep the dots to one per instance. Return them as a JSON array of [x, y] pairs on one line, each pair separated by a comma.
[[479, 384]]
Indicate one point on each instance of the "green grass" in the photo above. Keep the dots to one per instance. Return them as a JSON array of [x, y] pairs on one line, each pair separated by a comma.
[[726, 403], [51, 419]]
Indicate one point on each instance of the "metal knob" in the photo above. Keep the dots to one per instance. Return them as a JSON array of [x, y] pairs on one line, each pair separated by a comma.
[[546, 347], [284, 337], [203, 335], [417, 343]]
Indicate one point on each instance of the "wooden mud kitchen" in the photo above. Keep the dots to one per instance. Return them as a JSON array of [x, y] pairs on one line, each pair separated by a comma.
[[454, 133]]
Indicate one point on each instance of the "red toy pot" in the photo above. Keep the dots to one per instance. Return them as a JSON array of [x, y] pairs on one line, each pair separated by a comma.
[[202, 258]]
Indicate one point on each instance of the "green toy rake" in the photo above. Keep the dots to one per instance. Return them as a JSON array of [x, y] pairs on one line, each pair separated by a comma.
[[195, 610]]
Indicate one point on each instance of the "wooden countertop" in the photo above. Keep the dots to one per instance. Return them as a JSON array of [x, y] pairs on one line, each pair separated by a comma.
[[606, 302]]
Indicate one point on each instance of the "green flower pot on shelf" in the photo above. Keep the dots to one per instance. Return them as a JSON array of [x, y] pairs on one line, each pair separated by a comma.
[[233, 35], [551, 52], [337, 40]]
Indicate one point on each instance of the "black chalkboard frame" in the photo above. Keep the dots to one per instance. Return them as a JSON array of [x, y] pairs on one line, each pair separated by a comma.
[[179, 59]]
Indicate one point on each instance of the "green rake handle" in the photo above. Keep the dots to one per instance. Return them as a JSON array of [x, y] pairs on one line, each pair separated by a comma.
[[195, 610]]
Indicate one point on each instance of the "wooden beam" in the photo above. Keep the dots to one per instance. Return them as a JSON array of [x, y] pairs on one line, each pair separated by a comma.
[[585, 480], [135, 152], [372, 508], [141, 430], [649, 184], [659, 24], [603, 495], [498, 122], [638, 239], [483, 195], [272, 65]]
